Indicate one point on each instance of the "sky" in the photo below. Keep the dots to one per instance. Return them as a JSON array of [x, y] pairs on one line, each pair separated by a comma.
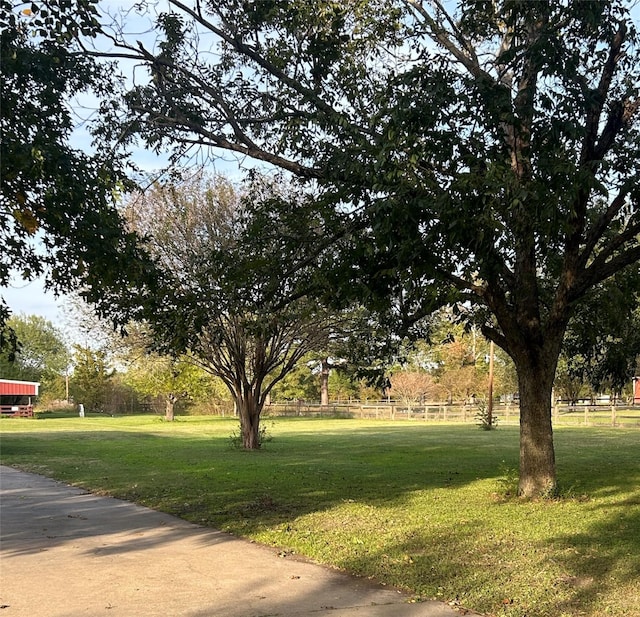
[[30, 298]]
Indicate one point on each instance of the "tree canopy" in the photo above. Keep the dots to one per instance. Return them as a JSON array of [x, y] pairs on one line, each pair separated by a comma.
[[483, 155], [222, 300], [92, 377], [58, 202], [166, 379], [603, 340]]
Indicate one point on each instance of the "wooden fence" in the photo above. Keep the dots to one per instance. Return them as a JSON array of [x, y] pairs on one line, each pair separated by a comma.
[[441, 412], [17, 411], [507, 414]]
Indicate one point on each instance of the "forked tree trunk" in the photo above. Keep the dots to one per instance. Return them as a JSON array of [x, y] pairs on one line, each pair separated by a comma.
[[537, 456], [249, 411]]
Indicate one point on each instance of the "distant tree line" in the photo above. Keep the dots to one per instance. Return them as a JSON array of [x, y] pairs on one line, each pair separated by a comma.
[[124, 376]]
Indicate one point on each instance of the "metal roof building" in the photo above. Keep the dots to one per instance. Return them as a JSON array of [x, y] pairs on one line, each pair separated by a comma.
[[15, 397]]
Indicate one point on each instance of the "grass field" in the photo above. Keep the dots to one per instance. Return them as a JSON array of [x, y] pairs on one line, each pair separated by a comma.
[[420, 506]]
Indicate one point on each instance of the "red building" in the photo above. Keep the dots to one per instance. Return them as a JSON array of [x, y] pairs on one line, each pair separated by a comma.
[[16, 397], [636, 390]]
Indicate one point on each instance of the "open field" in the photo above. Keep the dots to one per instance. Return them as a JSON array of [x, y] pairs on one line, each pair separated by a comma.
[[422, 506]]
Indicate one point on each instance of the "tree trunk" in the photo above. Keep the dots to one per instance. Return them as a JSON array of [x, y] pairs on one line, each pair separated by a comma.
[[169, 409], [324, 382], [537, 456], [249, 412]]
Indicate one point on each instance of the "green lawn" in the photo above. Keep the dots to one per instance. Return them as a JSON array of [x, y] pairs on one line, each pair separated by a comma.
[[420, 506]]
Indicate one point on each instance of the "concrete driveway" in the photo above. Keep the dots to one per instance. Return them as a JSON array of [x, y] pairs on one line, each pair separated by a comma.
[[67, 553]]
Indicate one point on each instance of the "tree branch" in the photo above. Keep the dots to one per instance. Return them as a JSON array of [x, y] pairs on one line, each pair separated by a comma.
[[601, 270], [620, 116], [597, 230], [246, 50], [467, 58], [211, 139], [600, 96]]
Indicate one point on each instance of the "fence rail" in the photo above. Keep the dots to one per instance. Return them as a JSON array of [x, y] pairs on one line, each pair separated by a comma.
[[17, 411], [569, 415]]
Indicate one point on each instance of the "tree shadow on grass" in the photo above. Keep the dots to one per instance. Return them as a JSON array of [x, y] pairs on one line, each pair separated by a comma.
[[602, 564], [298, 473], [505, 572]]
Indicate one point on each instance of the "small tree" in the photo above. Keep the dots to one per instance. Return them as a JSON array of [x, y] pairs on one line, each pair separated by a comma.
[[412, 386], [459, 360], [569, 383], [165, 378], [91, 377], [485, 420], [224, 294]]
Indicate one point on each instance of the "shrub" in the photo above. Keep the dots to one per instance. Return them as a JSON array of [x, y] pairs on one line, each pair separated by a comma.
[[485, 421]]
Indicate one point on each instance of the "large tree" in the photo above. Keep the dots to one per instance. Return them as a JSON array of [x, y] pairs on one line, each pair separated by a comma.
[[485, 154], [58, 202]]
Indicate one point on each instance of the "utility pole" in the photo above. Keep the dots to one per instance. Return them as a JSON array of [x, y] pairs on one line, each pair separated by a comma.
[[490, 401]]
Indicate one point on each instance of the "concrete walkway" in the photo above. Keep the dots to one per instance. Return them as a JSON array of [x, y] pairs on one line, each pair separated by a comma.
[[67, 553]]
